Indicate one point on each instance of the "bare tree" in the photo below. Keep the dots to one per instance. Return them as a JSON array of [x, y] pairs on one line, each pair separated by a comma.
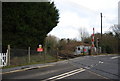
[[83, 33], [116, 30]]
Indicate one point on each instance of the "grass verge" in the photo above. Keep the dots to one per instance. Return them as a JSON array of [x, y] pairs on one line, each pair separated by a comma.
[[34, 59]]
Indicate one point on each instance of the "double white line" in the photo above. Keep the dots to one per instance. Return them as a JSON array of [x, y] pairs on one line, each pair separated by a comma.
[[65, 75]]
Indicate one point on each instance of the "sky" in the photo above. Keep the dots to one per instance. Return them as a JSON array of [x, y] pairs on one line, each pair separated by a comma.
[[84, 14]]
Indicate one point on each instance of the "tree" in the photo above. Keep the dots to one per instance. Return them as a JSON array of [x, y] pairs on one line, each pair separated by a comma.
[[26, 23], [87, 40], [116, 30], [83, 34], [62, 44], [108, 43], [51, 42]]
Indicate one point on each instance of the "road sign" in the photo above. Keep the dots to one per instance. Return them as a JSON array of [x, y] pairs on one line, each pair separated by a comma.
[[39, 49]]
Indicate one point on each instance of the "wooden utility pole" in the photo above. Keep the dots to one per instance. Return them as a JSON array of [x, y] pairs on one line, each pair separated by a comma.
[[101, 24], [101, 30]]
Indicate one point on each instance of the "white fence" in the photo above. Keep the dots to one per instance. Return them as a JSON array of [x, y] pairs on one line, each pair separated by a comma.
[[3, 59]]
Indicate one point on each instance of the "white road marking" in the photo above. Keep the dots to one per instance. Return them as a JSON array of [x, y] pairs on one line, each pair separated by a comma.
[[87, 67], [65, 74], [101, 62], [71, 74], [115, 57], [91, 65]]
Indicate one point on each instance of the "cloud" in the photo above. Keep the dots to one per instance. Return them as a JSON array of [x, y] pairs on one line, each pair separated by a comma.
[[64, 32], [75, 14]]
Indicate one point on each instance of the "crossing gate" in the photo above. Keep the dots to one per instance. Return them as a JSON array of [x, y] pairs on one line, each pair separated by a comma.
[[3, 59]]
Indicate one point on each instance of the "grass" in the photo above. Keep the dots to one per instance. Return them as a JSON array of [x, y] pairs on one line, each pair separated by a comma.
[[34, 59]]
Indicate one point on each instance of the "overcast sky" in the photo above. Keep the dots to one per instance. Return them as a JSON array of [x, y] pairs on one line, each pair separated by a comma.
[[76, 14]]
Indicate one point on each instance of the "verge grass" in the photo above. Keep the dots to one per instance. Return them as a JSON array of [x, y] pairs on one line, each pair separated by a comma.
[[34, 59]]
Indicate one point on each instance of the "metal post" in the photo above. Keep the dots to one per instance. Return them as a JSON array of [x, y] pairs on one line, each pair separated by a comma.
[[97, 45], [6, 55], [45, 54], [28, 54], [9, 55], [57, 55]]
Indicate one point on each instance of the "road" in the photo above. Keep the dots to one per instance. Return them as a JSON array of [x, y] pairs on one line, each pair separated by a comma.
[[101, 67]]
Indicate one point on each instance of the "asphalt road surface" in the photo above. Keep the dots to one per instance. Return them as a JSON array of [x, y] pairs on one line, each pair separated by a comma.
[[101, 67]]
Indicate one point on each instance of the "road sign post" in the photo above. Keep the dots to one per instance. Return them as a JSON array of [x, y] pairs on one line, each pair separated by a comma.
[[97, 42], [28, 54], [9, 55]]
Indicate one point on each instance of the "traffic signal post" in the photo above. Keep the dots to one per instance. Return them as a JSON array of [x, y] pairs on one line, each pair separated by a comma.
[[97, 45]]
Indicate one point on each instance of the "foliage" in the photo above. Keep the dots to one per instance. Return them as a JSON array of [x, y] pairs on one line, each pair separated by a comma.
[[87, 40], [62, 44], [51, 42], [108, 42], [27, 24], [116, 30]]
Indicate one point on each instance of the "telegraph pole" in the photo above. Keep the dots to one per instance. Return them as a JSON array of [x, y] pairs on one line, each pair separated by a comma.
[[101, 32], [101, 24]]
